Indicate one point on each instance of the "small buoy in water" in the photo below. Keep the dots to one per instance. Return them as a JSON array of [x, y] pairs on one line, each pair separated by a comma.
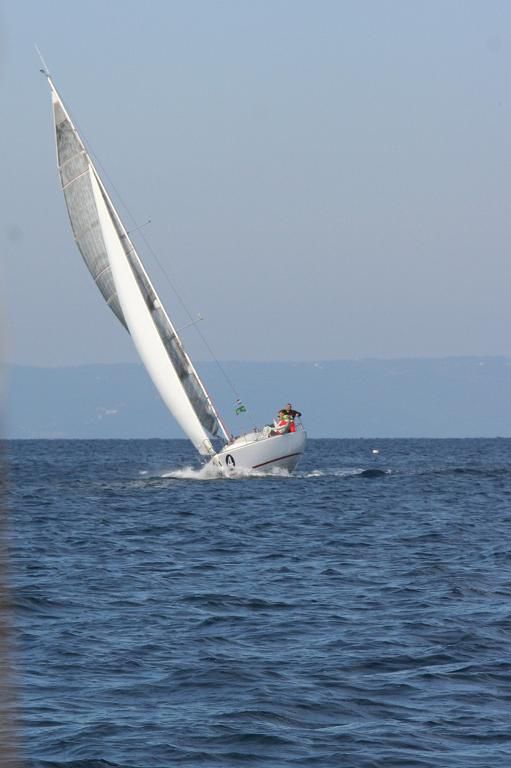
[[375, 450]]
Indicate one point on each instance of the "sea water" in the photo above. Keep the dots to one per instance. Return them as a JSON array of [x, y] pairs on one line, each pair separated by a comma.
[[356, 613]]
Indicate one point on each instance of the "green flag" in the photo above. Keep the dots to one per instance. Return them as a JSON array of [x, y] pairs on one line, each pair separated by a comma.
[[240, 409]]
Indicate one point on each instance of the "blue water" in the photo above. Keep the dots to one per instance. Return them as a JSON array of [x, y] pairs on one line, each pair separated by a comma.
[[355, 614]]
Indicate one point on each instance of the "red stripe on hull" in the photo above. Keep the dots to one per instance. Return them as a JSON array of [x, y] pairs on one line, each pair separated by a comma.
[[280, 458]]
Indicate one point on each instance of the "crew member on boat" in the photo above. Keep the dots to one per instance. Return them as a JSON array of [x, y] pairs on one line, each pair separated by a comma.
[[288, 410], [291, 415], [282, 425]]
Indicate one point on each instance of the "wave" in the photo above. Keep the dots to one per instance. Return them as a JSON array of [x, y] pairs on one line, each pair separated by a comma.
[[84, 763], [209, 472], [344, 473], [419, 471]]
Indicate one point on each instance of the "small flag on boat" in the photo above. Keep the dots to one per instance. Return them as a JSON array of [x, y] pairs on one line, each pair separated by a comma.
[[240, 408]]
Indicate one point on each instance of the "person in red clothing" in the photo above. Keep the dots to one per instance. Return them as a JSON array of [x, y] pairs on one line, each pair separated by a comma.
[[282, 425]]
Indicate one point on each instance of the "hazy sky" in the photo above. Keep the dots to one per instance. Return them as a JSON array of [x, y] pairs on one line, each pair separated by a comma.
[[324, 179]]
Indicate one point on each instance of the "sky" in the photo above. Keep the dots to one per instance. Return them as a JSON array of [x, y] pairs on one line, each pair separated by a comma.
[[325, 180]]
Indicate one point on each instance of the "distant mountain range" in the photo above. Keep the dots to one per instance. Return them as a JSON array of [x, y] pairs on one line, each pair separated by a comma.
[[449, 397]]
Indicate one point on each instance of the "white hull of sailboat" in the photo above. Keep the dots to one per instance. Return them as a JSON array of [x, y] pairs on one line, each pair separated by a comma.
[[255, 451]]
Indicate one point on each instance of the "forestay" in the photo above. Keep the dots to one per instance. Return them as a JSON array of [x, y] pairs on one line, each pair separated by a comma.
[[118, 272]]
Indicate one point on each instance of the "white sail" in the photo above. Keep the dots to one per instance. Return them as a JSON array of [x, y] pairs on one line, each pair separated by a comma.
[[117, 270], [144, 332]]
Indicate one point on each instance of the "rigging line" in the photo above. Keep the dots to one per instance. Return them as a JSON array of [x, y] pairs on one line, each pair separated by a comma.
[[112, 186], [193, 322], [45, 69], [160, 265], [130, 231]]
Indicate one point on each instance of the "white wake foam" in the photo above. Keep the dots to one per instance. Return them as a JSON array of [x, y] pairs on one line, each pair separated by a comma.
[[212, 472]]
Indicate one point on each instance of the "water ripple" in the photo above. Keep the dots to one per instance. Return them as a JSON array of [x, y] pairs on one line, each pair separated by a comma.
[[355, 613]]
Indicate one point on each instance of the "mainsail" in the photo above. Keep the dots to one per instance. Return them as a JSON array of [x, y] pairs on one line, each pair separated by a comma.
[[118, 272]]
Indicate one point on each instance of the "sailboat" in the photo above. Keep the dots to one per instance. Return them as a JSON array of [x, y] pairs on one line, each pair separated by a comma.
[[118, 272]]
